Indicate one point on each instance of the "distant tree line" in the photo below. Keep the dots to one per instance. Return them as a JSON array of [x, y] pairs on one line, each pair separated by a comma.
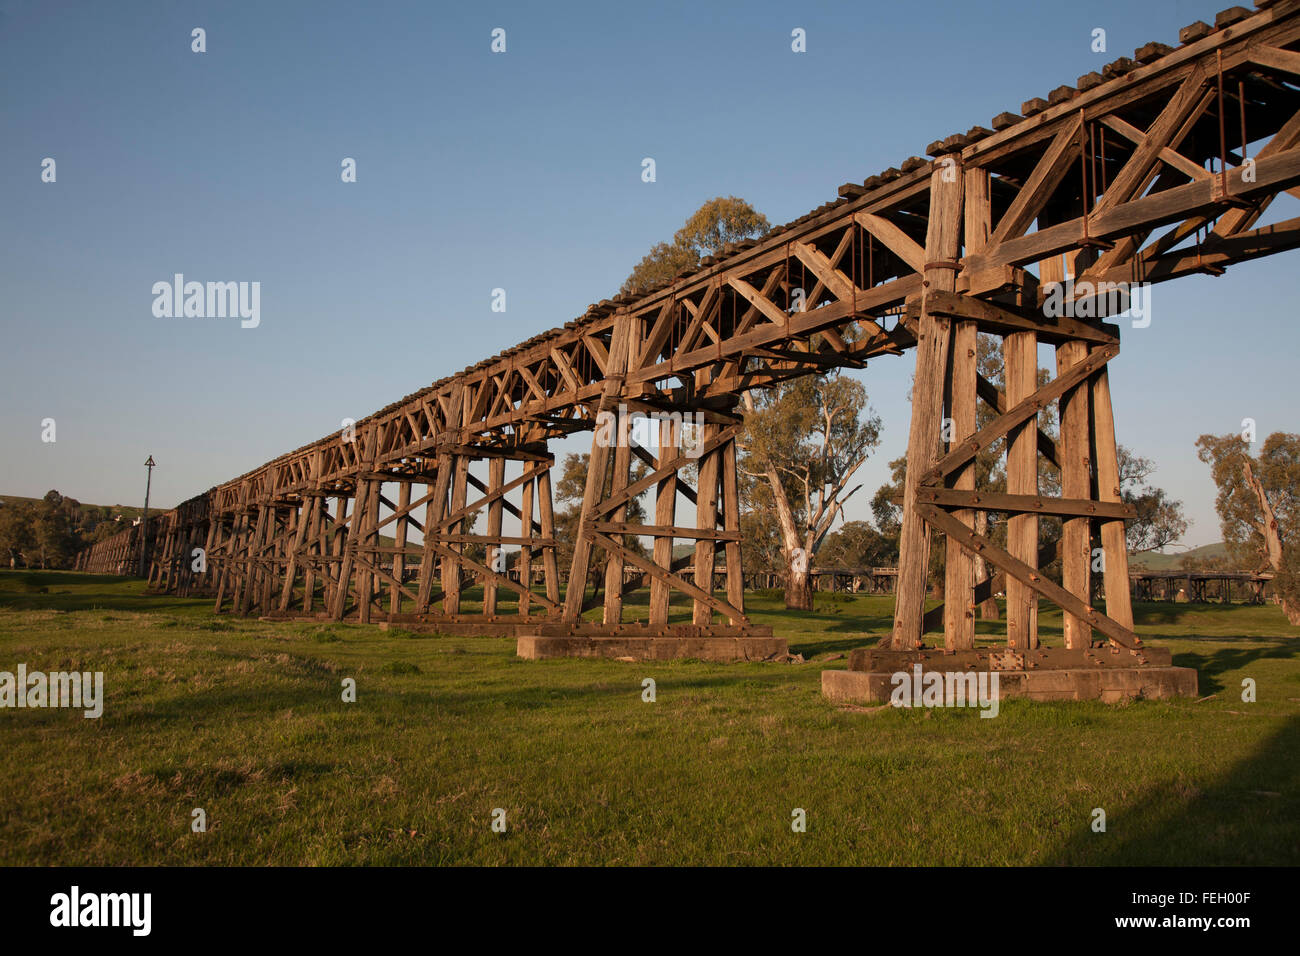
[[49, 533]]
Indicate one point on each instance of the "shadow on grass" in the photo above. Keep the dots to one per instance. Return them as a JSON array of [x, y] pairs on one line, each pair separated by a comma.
[[1152, 613], [74, 591], [824, 644], [222, 781], [536, 697], [1224, 659], [1237, 821], [218, 707]]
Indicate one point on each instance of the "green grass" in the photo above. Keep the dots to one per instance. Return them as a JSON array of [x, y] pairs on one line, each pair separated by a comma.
[[245, 719]]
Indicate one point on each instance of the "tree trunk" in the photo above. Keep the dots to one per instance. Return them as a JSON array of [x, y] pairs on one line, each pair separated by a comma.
[[798, 589], [798, 592], [1272, 540], [1268, 527], [1292, 611]]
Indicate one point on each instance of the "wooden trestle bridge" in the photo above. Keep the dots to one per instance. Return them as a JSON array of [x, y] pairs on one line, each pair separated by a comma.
[[1159, 166]]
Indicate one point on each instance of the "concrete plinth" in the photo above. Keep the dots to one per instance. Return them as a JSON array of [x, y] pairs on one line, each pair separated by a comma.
[[877, 659], [1107, 684], [536, 647]]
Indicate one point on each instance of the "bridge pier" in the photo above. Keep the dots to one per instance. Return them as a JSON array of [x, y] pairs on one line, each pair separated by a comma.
[[688, 436]]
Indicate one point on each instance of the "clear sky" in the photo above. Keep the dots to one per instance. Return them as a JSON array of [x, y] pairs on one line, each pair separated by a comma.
[[477, 171]]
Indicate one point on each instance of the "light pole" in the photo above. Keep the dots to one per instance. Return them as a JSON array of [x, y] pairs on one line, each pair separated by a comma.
[[144, 521]]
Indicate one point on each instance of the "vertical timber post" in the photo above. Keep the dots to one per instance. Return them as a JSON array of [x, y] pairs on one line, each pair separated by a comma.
[[1020, 370], [1119, 602], [597, 465], [959, 563], [665, 517], [614, 566], [334, 548], [348, 537], [451, 566], [458, 475], [731, 525], [399, 556], [496, 553], [546, 511], [434, 512], [1075, 453], [315, 509], [364, 538], [942, 246], [525, 563], [706, 520]]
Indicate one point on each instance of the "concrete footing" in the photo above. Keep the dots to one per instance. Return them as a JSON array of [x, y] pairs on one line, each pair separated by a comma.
[[536, 647], [1107, 684]]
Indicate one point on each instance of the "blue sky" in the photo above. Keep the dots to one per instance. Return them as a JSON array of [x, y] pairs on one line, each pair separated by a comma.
[[478, 171]]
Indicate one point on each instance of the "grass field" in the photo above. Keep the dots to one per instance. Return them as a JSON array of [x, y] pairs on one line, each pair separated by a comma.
[[245, 719]]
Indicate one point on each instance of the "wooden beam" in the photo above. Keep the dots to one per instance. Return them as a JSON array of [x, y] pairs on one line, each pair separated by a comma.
[[1020, 361], [933, 332], [1047, 175], [706, 515], [839, 284], [1287, 61], [665, 516], [994, 317], [595, 486], [1031, 577], [895, 239], [1026, 409], [1113, 540], [767, 307], [1006, 503], [691, 590], [496, 479], [1075, 406], [990, 394]]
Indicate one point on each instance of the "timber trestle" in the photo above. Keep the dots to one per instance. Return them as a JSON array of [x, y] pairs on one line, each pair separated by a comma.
[[439, 509]]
